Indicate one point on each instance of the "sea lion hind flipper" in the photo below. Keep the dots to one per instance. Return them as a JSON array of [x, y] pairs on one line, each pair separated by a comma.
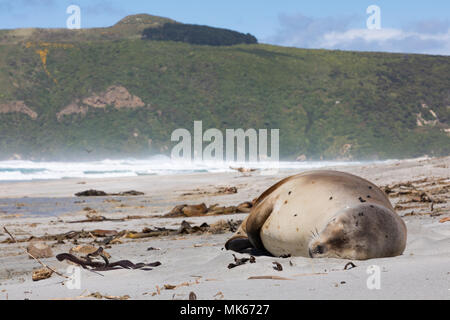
[[238, 243]]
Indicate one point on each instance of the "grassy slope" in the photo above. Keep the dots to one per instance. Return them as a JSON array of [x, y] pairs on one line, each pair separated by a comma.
[[248, 86]]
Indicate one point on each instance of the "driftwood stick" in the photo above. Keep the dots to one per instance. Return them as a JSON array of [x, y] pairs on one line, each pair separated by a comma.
[[43, 264]]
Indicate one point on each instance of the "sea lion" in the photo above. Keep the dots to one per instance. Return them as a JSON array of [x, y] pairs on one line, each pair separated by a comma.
[[323, 213]]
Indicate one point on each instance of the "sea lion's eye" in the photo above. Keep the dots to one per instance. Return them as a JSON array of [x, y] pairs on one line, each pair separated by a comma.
[[319, 249]]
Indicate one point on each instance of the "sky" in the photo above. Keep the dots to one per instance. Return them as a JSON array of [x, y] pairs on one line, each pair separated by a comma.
[[403, 26]]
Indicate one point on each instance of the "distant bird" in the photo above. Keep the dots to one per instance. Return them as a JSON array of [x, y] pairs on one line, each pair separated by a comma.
[[88, 150]]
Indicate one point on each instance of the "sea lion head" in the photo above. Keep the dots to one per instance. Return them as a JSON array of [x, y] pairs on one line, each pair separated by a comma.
[[361, 232]]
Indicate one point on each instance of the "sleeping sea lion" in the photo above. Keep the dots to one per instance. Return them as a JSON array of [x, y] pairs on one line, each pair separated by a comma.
[[323, 214]]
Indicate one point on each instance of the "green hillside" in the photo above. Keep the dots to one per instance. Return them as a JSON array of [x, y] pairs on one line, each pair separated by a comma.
[[112, 93]]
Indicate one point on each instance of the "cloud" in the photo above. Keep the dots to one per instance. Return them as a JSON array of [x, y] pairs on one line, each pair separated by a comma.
[[427, 36], [391, 40], [300, 30]]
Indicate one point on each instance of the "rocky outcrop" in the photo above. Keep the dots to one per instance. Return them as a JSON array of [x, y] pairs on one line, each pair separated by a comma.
[[345, 153], [116, 96], [18, 106], [421, 121], [72, 108]]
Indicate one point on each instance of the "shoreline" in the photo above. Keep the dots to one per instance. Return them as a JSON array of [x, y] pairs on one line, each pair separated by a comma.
[[29, 171]]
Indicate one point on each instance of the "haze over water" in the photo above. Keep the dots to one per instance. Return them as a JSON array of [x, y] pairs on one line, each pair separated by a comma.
[[23, 170]]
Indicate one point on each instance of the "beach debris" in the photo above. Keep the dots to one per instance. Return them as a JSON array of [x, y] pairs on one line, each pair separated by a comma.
[[192, 296], [185, 210], [227, 190], [85, 250], [194, 210], [110, 240], [245, 207], [185, 228], [349, 265], [39, 249], [128, 193], [243, 170], [268, 278], [177, 211], [94, 218], [426, 196], [97, 218], [217, 192], [172, 287], [444, 220], [31, 255], [158, 290], [169, 287], [153, 248], [98, 295], [99, 193], [183, 284], [87, 263], [113, 236], [216, 210], [277, 266], [104, 233], [241, 261], [219, 296], [41, 274], [91, 193]]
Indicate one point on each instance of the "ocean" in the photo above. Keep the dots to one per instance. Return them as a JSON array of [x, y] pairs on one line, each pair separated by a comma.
[[22, 170]]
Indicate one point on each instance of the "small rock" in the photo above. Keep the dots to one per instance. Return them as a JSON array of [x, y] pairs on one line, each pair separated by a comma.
[[195, 210], [41, 274], [39, 250], [91, 193], [131, 193]]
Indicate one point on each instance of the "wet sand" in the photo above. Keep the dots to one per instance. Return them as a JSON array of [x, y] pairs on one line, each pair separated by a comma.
[[420, 190]]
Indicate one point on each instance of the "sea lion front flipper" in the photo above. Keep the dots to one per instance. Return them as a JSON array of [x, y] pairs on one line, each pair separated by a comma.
[[239, 241], [256, 220]]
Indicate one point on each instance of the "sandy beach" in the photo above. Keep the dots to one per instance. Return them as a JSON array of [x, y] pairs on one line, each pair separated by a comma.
[[197, 261]]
